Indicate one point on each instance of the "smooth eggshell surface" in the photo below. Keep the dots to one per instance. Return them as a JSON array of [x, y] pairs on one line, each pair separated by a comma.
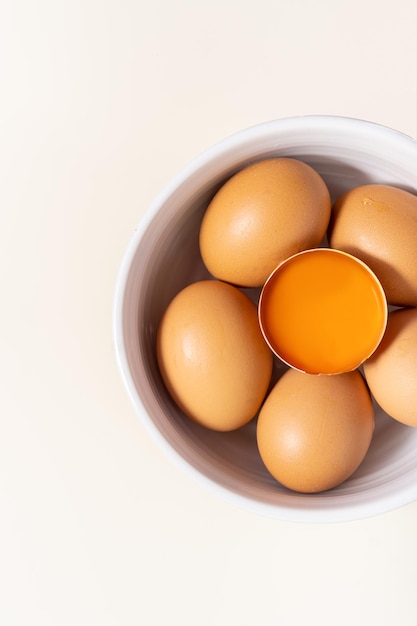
[[263, 214], [314, 431], [378, 224], [391, 372], [212, 356]]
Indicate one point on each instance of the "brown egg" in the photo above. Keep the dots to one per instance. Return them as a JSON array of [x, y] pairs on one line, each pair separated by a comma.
[[378, 224], [260, 216], [212, 356], [314, 431], [391, 372]]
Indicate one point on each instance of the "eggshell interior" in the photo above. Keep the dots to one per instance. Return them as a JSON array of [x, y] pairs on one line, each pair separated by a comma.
[[323, 311]]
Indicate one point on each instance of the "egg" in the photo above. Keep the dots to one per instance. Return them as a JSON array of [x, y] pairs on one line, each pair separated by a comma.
[[378, 224], [264, 213], [212, 356], [391, 372], [314, 431]]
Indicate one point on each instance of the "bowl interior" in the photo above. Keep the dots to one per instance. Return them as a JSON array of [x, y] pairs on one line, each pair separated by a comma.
[[164, 257]]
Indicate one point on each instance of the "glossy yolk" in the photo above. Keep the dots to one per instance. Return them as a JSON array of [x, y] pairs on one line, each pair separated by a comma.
[[323, 312]]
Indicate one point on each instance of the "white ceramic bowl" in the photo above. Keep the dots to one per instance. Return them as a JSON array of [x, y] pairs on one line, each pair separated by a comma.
[[163, 257]]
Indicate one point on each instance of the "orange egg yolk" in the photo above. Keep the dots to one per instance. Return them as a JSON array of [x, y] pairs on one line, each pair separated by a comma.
[[323, 311]]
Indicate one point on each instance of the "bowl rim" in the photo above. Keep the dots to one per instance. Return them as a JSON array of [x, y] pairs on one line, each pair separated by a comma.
[[393, 497]]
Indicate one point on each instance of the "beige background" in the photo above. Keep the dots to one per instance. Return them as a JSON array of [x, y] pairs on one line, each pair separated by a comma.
[[101, 103]]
